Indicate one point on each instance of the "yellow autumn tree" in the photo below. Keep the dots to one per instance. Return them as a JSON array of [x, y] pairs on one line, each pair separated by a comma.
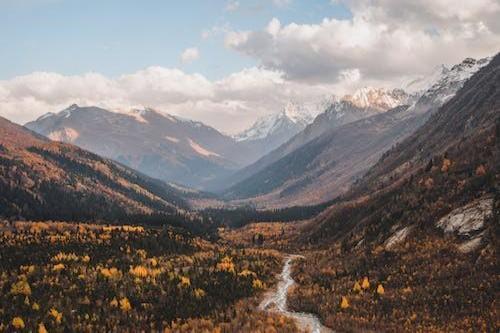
[[257, 284], [365, 284], [139, 271], [56, 315], [357, 287], [199, 293], [111, 273], [226, 265], [59, 267], [42, 329], [185, 282], [125, 305], [21, 287], [380, 289], [344, 303], [18, 323]]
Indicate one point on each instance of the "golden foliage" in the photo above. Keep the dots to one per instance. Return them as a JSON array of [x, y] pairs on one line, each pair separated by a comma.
[[18, 322], [185, 282], [58, 267], [199, 293], [56, 315], [257, 284], [380, 289], [246, 273], [344, 303], [139, 271], [111, 273], [114, 302], [357, 287], [365, 284], [125, 305], [226, 265], [21, 287], [61, 256], [41, 328]]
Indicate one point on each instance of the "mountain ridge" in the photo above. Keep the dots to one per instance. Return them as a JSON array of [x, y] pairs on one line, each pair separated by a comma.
[[345, 152], [46, 180]]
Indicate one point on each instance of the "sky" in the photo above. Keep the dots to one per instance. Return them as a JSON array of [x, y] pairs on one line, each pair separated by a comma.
[[226, 62]]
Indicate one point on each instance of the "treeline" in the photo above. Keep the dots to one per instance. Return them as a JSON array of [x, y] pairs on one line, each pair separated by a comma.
[[241, 216]]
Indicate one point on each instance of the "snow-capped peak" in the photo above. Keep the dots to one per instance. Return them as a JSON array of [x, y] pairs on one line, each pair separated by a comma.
[[66, 113], [295, 113], [293, 117], [442, 86], [45, 116], [377, 98], [420, 84]]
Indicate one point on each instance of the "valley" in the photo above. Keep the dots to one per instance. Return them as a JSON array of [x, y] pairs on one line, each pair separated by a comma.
[[375, 211]]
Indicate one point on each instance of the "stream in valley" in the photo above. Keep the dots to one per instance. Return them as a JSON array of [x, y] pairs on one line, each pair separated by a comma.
[[276, 301]]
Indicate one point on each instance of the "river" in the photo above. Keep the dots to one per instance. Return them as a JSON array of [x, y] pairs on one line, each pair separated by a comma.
[[276, 301]]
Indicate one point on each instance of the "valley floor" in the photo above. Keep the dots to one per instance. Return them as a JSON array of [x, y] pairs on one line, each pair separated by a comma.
[[427, 285], [78, 277], [59, 277]]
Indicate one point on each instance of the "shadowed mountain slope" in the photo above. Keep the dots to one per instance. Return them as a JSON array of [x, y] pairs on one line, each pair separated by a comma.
[[328, 165], [445, 176], [45, 180]]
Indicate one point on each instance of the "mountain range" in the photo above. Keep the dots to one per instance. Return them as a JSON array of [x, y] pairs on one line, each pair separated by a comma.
[[170, 148], [322, 162], [296, 156], [443, 176]]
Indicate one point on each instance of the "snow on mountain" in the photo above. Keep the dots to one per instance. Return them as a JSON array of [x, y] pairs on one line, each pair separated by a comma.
[[377, 98], [362, 103], [293, 118], [443, 84], [424, 82]]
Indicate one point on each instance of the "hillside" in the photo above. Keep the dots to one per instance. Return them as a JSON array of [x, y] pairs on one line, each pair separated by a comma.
[[159, 145], [413, 246], [45, 180], [447, 163]]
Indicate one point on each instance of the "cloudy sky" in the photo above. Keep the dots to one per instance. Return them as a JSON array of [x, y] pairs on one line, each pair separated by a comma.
[[226, 62]]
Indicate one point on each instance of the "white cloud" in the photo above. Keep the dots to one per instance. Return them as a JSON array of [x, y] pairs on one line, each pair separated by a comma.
[[229, 104], [189, 55], [384, 40], [384, 43]]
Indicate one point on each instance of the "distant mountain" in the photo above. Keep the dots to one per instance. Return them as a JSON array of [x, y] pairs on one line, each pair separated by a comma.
[[157, 144], [45, 180], [286, 123], [326, 165], [337, 112], [271, 131]]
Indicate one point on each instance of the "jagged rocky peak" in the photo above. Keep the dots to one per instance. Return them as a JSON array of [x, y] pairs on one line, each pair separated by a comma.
[[291, 118], [295, 112], [377, 98], [444, 86]]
